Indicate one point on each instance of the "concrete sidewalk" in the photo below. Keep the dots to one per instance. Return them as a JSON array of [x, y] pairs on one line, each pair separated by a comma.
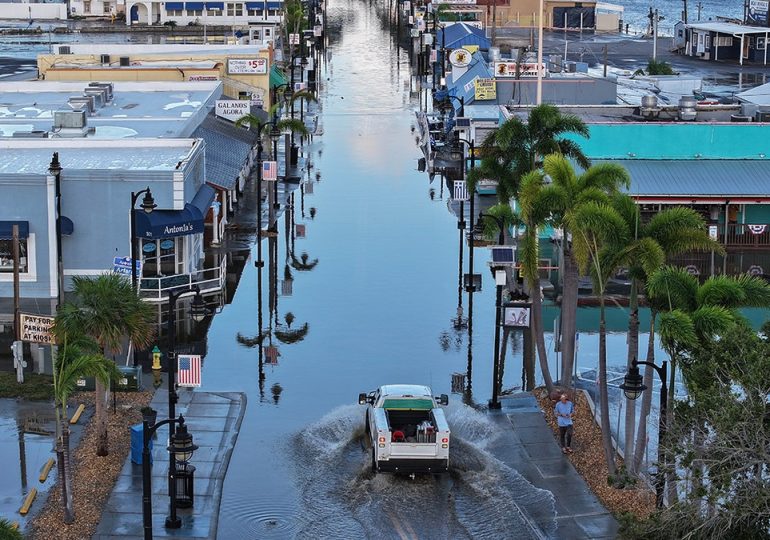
[[214, 420], [533, 451]]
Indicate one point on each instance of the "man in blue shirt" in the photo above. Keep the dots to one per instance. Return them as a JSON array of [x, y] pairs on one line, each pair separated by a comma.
[[564, 411]]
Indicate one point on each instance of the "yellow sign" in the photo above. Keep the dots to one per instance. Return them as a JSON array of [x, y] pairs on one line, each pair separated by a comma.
[[485, 89], [471, 48], [37, 329]]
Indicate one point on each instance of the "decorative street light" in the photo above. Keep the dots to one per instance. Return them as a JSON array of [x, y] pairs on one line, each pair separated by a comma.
[[55, 169], [460, 99], [633, 387], [198, 312], [180, 450], [148, 205], [499, 275], [274, 134]]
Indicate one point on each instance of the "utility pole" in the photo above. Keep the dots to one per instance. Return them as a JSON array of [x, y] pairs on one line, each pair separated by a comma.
[[684, 13], [700, 7], [605, 60], [655, 35], [494, 21]]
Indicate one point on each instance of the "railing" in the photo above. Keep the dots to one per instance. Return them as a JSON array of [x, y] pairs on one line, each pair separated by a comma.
[[748, 236], [156, 289]]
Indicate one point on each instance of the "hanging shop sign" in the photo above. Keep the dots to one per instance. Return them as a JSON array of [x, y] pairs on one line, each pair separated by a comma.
[[485, 89], [460, 58], [246, 66], [122, 266], [757, 12], [516, 316], [232, 109]]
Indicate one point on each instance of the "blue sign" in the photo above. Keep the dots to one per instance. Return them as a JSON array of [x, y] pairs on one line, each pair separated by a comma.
[[122, 266]]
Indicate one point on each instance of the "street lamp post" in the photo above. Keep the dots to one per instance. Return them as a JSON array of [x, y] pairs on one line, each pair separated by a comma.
[[55, 169], [148, 204], [180, 449], [198, 311], [632, 387], [494, 403], [275, 134], [461, 100]]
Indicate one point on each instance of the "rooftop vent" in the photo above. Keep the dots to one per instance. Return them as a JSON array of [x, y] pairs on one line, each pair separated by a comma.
[[69, 119], [687, 112], [99, 95], [65, 49], [35, 134], [108, 87], [649, 108], [105, 59], [125, 61], [82, 103]]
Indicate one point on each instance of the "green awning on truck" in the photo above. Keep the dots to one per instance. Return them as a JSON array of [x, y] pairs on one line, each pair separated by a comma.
[[408, 404]]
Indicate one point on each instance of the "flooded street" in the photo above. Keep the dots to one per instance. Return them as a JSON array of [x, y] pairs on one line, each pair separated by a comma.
[[377, 305]]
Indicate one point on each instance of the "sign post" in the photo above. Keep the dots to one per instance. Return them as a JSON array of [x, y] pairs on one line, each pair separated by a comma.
[[122, 266]]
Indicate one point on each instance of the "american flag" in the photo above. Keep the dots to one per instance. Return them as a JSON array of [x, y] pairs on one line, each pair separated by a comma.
[[189, 370], [460, 191], [269, 170], [271, 355]]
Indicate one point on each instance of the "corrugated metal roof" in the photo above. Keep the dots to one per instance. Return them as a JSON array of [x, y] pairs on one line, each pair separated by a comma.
[[709, 178], [227, 148], [460, 34], [727, 28], [759, 95]]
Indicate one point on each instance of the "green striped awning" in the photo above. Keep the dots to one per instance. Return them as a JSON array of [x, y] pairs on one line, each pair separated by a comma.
[[277, 77]]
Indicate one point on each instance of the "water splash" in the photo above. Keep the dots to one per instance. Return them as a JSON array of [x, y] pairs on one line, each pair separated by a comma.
[[481, 497]]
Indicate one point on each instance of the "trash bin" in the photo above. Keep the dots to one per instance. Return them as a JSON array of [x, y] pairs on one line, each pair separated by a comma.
[[130, 379], [137, 444]]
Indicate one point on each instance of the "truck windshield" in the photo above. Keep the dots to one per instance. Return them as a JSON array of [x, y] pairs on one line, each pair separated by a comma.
[[408, 404]]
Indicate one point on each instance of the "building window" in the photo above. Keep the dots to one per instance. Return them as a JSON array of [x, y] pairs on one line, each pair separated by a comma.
[[86, 7], [160, 257], [234, 10], [272, 12], [6, 256], [255, 13], [195, 13], [175, 13], [107, 7], [213, 12]]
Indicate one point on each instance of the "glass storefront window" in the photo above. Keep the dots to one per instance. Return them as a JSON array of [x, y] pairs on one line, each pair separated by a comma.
[[6, 256], [160, 256]]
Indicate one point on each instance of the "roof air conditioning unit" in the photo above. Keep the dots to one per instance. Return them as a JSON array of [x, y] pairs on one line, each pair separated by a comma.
[[125, 61], [108, 86], [69, 119], [763, 115], [105, 58], [65, 49], [82, 103], [740, 118], [98, 95]]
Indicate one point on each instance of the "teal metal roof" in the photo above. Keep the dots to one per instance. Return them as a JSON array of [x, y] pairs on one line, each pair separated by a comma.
[[692, 179]]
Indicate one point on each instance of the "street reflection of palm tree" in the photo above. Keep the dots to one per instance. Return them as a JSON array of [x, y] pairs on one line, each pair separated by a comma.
[[302, 263], [276, 390]]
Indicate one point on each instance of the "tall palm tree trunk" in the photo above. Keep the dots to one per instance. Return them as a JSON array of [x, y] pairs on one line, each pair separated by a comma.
[[633, 353], [604, 405], [102, 442], [569, 297], [671, 487], [537, 329], [62, 464], [503, 352], [68, 499], [641, 433]]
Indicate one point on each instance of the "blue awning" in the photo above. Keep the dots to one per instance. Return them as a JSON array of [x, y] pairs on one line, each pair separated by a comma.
[[67, 227], [275, 5], [174, 5], [6, 229], [203, 199], [198, 6], [255, 5], [215, 5]]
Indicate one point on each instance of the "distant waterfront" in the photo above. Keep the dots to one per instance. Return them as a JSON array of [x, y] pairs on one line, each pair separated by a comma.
[[637, 11]]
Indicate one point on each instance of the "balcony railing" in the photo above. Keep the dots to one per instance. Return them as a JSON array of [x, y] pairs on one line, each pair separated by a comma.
[[208, 280], [746, 236]]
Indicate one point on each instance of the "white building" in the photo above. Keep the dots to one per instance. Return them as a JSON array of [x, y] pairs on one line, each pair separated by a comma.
[[96, 8], [236, 14]]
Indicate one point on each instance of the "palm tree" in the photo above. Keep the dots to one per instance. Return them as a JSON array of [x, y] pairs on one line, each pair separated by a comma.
[[516, 148], [600, 238], [74, 359], [566, 193], [107, 309], [9, 531], [535, 212], [668, 233]]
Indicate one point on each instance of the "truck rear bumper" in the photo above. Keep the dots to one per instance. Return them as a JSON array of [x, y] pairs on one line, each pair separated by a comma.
[[412, 465]]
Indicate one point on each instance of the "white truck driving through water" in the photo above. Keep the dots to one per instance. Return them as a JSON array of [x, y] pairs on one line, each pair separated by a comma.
[[407, 429]]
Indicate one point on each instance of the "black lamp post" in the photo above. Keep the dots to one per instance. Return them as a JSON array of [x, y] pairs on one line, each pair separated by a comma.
[[461, 100], [275, 134], [198, 312], [494, 403], [148, 205], [180, 449], [55, 169], [632, 387]]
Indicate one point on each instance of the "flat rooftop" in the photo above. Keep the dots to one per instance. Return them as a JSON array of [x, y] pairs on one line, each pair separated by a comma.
[[601, 114], [138, 109], [32, 156], [127, 49]]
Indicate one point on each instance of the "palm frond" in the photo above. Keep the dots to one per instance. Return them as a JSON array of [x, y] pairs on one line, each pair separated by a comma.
[[292, 124], [608, 177], [712, 321], [677, 330], [721, 291], [673, 288]]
